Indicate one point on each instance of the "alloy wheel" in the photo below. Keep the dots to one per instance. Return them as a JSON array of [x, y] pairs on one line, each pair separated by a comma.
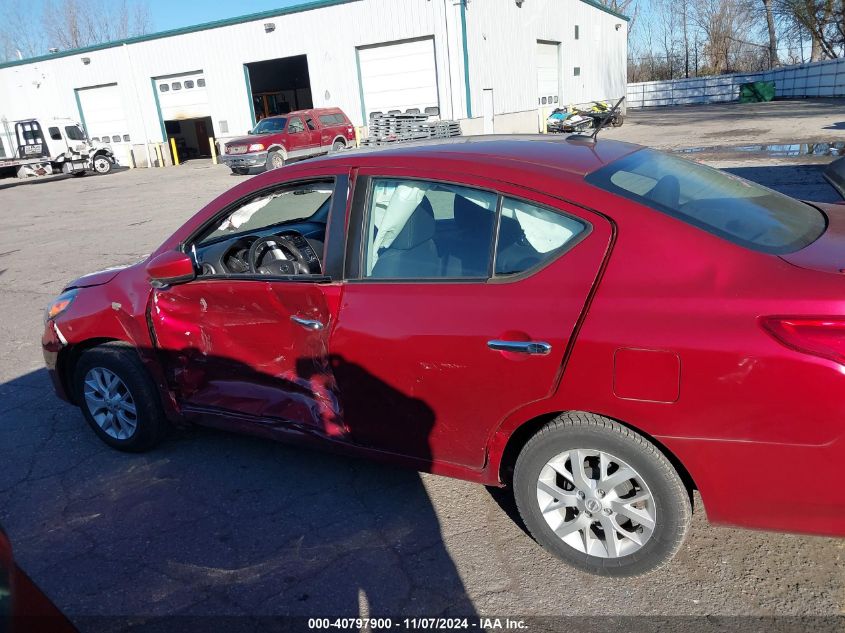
[[596, 503], [110, 403]]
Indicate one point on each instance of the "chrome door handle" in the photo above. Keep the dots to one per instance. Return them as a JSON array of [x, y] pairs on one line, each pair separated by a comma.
[[521, 347], [308, 324]]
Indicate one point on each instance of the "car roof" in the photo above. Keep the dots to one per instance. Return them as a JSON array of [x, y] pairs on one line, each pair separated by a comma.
[[302, 112], [574, 154]]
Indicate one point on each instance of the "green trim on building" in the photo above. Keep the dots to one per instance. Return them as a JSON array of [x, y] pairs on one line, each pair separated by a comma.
[[600, 6], [361, 87], [81, 113], [249, 95], [158, 111], [273, 13], [466, 57]]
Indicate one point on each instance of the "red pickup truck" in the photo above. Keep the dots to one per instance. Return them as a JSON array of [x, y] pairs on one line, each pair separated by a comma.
[[293, 136]]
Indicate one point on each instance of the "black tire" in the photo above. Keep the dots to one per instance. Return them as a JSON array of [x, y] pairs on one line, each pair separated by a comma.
[[102, 164], [338, 146], [672, 504], [124, 362], [275, 160], [617, 120]]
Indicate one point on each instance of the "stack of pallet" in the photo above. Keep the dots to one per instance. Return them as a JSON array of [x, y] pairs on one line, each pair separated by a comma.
[[393, 128]]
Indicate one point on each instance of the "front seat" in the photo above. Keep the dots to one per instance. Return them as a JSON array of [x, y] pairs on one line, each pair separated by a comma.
[[412, 254]]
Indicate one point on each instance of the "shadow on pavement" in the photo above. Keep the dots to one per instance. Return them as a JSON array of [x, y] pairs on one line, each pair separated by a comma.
[[804, 182], [213, 524]]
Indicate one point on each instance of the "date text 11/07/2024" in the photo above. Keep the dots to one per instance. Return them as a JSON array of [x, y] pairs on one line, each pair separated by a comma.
[[417, 624]]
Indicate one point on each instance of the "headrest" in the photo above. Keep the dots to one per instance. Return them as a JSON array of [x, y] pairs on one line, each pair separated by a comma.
[[471, 217], [418, 229]]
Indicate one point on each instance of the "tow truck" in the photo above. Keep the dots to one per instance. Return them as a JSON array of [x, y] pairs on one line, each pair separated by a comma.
[[38, 147]]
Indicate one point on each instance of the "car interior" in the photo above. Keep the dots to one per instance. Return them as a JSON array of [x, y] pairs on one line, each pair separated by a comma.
[[281, 233]]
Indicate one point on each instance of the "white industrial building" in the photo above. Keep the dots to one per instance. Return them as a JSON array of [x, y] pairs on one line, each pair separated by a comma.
[[488, 63]]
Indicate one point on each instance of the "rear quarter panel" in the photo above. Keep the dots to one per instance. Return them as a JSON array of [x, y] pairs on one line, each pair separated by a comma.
[[754, 423]]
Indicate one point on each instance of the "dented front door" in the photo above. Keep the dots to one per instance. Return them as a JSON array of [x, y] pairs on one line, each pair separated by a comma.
[[249, 351]]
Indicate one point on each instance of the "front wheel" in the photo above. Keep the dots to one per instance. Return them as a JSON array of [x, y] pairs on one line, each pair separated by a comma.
[[275, 160], [102, 164], [601, 497], [118, 398]]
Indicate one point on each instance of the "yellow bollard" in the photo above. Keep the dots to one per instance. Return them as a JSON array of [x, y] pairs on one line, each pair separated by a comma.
[[159, 156], [173, 150], [357, 136], [213, 150]]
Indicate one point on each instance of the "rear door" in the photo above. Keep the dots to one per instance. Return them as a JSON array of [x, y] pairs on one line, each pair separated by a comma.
[[459, 307]]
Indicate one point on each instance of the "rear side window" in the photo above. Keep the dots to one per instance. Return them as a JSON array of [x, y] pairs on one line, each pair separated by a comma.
[[530, 235], [731, 207]]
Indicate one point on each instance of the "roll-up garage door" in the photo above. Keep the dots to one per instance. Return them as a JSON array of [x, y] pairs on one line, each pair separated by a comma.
[[105, 115], [399, 76], [183, 96], [548, 73]]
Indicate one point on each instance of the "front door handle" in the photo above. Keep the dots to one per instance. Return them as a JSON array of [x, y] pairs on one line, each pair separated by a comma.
[[308, 324], [521, 347]]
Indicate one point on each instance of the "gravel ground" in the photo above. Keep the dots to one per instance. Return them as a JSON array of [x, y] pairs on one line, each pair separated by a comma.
[[217, 524]]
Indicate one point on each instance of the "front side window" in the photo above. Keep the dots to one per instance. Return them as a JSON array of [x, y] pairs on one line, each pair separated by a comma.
[[55, 133], [289, 205], [295, 125], [74, 133], [731, 207], [418, 229]]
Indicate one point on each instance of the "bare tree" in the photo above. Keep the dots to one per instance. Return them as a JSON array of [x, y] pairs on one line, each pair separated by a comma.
[[725, 25], [822, 20], [772, 32], [77, 23], [17, 35]]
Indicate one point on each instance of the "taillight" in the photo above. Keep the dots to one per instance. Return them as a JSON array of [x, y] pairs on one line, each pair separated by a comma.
[[819, 336]]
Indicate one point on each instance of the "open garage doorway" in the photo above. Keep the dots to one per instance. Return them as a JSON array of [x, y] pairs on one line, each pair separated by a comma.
[[279, 86], [192, 137], [185, 112]]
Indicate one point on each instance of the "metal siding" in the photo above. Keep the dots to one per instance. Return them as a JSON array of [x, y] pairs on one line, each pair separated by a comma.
[[501, 40]]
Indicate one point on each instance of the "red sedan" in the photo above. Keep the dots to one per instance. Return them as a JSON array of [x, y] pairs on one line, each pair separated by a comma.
[[602, 326]]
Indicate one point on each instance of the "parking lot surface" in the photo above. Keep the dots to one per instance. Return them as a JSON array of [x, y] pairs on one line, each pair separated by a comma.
[[218, 524]]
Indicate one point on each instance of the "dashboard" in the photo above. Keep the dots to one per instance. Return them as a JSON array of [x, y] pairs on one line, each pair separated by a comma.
[[230, 256]]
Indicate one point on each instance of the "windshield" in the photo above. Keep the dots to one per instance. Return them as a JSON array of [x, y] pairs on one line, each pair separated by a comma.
[[276, 124], [731, 207]]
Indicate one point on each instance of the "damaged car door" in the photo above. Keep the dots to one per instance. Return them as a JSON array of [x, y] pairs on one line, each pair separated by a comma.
[[247, 340]]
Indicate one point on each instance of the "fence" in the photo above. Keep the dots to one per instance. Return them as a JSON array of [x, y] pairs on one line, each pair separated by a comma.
[[817, 79]]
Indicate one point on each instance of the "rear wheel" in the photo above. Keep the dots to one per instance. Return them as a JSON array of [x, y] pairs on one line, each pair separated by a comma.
[[617, 120], [275, 160], [601, 497], [338, 145], [118, 398]]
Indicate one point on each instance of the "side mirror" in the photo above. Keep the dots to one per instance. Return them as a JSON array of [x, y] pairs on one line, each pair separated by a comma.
[[172, 267]]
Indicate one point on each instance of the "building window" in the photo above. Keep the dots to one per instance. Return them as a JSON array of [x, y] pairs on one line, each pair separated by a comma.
[[125, 138], [577, 71], [576, 32], [55, 134], [163, 87], [200, 83], [176, 85], [189, 84]]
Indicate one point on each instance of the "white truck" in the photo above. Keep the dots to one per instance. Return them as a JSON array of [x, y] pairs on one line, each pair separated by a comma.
[[32, 147]]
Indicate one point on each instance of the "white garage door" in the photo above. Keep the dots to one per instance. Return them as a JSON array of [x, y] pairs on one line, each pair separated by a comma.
[[548, 73], [104, 114], [399, 76], [183, 96]]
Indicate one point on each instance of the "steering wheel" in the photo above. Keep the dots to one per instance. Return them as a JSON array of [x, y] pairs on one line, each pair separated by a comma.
[[299, 256]]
